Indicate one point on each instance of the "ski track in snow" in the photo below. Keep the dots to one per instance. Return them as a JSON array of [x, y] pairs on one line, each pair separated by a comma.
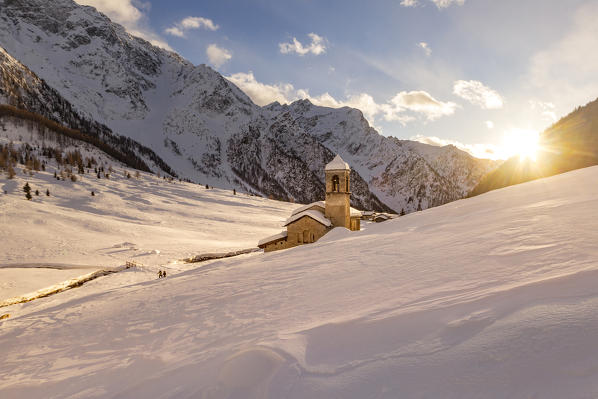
[[488, 297]]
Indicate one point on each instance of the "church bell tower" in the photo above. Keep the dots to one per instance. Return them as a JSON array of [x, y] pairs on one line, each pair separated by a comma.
[[338, 196]]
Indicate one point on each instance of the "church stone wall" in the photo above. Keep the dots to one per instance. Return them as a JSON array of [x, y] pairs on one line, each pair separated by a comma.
[[296, 231], [337, 209], [276, 245]]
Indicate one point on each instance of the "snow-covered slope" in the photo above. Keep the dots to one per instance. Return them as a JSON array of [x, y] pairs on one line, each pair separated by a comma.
[[143, 218], [23, 89], [207, 129], [488, 297]]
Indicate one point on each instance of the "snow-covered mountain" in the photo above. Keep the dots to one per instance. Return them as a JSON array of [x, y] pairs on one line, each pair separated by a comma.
[[207, 130], [26, 97]]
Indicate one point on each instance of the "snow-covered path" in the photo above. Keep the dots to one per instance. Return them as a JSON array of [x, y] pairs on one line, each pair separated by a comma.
[[490, 297]]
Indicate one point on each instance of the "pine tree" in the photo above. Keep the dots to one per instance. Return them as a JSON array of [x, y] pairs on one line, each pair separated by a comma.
[[37, 192], [47, 192], [27, 188], [28, 196]]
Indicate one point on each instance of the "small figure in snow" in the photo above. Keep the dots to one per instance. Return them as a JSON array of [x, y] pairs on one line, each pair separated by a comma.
[[164, 274], [159, 273]]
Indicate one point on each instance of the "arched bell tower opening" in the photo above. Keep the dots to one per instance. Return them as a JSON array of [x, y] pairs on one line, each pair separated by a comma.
[[336, 184], [338, 196]]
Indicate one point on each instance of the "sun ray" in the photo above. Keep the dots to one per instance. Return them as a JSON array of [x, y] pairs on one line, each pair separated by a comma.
[[521, 142]]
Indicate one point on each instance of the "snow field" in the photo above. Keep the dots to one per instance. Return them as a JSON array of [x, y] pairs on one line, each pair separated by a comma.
[[488, 297], [18, 281], [147, 219]]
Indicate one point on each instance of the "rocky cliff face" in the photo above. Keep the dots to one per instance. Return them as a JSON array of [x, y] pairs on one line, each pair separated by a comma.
[[207, 130]]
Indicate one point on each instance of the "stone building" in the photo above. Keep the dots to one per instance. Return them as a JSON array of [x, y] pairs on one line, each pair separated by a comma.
[[310, 222]]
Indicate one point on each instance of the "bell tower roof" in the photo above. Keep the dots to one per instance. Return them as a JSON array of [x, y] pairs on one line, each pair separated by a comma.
[[337, 164]]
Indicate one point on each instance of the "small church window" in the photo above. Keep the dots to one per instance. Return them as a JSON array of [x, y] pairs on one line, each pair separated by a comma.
[[335, 184], [347, 183]]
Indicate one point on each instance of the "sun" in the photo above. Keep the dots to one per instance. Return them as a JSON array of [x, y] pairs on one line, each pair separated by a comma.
[[521, 142]]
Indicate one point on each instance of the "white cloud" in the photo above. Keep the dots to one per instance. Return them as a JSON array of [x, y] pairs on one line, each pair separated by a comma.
[[189, 23], [485, 151], [404, 107], [132, 15], [409, 3], [120, 11], [217, 55], [424, 46], [316, 47], [546, 109], [419, 102], [447, 3], [174, 31], [476, 93], [198, 22], [566, 70], [439, 3], [263, 94], [489, 124]]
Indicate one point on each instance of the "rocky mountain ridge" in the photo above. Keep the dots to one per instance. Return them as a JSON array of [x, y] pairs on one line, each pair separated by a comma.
[[207, 130]]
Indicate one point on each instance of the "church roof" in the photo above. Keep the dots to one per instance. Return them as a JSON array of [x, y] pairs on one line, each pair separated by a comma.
[[315, 215], [321, 204], [275, 237], [354, 213], [337, 164]]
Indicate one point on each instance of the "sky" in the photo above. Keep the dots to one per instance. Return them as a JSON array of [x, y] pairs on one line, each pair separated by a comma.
[[479, 74]]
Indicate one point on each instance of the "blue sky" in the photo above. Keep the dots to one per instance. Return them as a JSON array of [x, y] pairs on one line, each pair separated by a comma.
[[469, 72]]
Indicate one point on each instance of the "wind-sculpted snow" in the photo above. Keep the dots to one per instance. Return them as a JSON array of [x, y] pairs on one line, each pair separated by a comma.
[[488, 297], [202, 125]]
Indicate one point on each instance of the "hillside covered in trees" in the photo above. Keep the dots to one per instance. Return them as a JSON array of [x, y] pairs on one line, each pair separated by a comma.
[[571, 143]]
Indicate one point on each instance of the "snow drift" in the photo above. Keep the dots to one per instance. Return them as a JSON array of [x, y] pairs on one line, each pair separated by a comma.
[[488, 297]]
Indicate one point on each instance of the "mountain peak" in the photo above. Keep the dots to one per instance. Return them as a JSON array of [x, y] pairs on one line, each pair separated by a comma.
[[207, 129]]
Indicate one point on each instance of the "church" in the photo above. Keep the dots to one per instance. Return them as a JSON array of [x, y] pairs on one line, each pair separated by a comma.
[[310, 222]]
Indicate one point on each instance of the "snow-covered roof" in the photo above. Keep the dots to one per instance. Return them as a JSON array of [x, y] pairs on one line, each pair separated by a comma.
[[321, 204], [337, 164], [275, 237], [315, 215], [355, 213]]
